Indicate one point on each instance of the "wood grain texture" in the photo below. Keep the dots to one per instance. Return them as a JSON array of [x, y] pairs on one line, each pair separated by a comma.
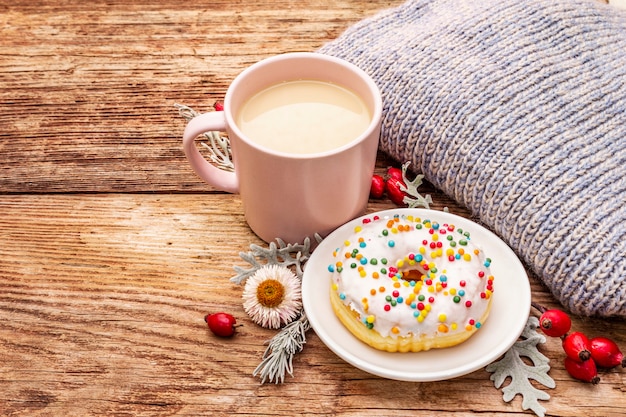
[[103, 298], [112, 250], [88, 91]]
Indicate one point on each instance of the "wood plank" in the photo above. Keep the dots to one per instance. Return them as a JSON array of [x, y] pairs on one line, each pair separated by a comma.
[[88, 91], [103, 296]]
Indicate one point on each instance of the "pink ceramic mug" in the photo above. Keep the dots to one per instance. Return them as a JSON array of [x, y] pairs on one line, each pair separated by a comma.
[[287, 195]]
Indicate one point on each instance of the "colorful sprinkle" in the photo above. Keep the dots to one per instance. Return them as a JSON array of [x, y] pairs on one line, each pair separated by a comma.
[[424, 271]]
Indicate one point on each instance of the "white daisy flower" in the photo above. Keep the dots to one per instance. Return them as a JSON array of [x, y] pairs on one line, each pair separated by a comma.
[[272, 296]]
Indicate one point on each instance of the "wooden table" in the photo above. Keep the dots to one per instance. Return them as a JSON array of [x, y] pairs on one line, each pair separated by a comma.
[[112, 250]]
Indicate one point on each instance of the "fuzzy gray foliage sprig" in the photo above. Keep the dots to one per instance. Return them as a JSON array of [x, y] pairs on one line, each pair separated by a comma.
[[218, 146], [278, 253], [512, 365], [278, 357], [414, 197]]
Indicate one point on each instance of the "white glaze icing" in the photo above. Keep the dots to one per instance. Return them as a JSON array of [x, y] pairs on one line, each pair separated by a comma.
[[380, 244]]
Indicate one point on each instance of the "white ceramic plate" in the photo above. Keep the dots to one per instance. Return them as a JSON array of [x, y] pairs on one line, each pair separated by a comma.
[[509, 313]]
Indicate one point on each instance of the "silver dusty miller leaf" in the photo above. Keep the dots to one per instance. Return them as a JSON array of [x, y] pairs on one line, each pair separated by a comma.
[[512, 366], [278, 253], [414, 198]]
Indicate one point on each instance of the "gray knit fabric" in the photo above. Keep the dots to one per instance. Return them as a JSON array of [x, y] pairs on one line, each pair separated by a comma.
[[517, 110]]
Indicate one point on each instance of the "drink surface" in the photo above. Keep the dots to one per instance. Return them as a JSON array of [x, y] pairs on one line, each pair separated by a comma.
[[303, 117]]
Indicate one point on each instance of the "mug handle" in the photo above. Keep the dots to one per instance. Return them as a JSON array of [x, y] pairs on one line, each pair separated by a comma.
[[219, 178]]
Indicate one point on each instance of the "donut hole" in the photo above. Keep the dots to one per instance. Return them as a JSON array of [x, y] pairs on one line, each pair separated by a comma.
[[414, 274]]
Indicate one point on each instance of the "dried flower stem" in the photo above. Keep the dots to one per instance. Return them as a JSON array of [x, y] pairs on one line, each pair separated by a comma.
[[278, 357], [218, 147]]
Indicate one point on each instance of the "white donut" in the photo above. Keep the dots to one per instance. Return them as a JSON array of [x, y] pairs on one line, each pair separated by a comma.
[[402, 283]]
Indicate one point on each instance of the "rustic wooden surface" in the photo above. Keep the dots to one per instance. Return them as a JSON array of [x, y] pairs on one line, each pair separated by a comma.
[[112, 250]]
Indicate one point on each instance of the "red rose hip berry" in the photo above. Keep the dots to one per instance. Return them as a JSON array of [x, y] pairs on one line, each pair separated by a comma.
[[584, 371], [395, 184], [378, 186], [555, 323], [221, 324], [606, 353], [393, 172], [394, 191], [576, 346]]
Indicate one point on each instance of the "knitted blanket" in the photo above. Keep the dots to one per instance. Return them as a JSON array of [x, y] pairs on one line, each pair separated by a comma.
[[516, 110]]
